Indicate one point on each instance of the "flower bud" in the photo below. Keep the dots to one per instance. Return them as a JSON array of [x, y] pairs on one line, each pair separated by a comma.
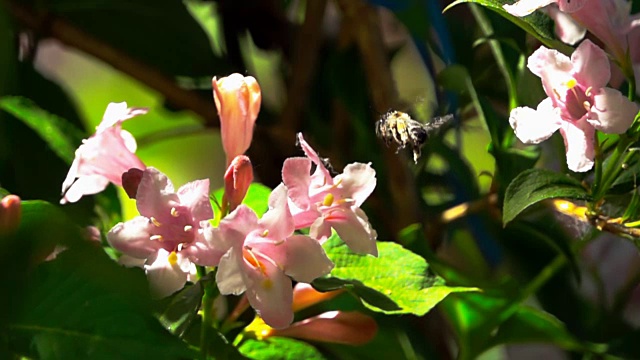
[[10, 213], [238, 101], [349, 328], [237, 179], [131, 180], [304, 296]]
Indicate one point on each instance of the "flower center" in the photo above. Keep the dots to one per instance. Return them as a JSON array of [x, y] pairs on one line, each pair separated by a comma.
[[577, 100]]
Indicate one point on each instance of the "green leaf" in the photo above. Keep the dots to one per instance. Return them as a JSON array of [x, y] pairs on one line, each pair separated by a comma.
[[257, 198], [535, 24], [530, 325], [279, 348], [535, 185], [80, 305], [382, 285], [59, 134]]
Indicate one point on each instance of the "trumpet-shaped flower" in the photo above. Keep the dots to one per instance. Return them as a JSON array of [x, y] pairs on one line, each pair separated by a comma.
[[172, 232], [579, 103], [238, 101], [263, 255], [103, 157], [322, 202]]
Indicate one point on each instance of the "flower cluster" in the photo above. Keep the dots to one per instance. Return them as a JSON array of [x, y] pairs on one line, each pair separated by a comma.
[[260, 257], [579, 101]]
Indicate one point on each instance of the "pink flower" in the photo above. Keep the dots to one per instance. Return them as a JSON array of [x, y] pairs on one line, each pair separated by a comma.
[[323, 202], [103, 157], [237, 179], [579, 103], [238, 101], [566, 29], [263, 255], [606, 19], [172, 232]]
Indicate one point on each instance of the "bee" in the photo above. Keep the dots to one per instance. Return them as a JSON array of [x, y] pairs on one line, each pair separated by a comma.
[[398, 127]]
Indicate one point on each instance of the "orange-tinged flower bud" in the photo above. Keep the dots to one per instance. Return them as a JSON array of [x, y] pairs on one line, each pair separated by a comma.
[[304, 295], [237, 179], [238, 101], [349, 328], [10, 213]]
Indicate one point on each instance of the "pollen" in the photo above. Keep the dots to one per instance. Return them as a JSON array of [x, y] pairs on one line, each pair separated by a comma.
[[571, 83], [155, 222], [172, 258], [174, 212], [328, 200], [265, 233]]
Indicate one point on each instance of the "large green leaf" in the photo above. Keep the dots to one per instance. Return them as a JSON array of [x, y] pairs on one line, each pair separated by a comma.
[[395, 282], [535, 185], [80, 305], [535, 24], [279, 348], [61, 136]]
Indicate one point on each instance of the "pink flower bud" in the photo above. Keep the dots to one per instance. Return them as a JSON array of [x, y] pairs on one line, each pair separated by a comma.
[[130, 181], [238, 101], [237, 179], [10, 212], [349, 328]]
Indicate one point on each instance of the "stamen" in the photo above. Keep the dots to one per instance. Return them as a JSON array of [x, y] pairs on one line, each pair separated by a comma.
[[172, 258], [188, 228], [588, 91], [174, 212], [155, 222], [156, 237], [328, 200], [571, 83], [253, 260], [265, 233], [586, 105], [556, 93]]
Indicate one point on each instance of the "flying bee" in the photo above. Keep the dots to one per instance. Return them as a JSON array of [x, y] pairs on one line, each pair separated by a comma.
[[398, 127]]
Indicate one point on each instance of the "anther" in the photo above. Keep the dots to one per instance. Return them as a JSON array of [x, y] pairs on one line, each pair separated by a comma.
[[174, 212], [156, 237], [188, 228], [155, 222]]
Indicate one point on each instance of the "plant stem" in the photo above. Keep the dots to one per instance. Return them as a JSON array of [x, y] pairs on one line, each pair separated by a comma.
[[614, 166], [208, 312]]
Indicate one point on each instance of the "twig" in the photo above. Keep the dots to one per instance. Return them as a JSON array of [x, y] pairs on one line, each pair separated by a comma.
[[54, 27]]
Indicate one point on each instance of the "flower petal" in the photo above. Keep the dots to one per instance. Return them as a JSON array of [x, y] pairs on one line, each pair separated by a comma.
[[278, 219], [165, 275], [590, 65], [534, 126], [155, 194], [567, 29], [229, 276], [305, 259], [208, 246], [578, 140], [238, 224], [357, 182], [612, 112], [313, 155], [270, 292], [132, 238], [116, 113], [86, 185], [195, 196], [296, 175], [526, 7], [553, 67], [354, 229]]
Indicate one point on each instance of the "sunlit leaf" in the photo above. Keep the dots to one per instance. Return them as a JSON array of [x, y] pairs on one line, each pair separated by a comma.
[[279, 348], [395, 282], [257, 197], [535, 185], [59, 134]]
